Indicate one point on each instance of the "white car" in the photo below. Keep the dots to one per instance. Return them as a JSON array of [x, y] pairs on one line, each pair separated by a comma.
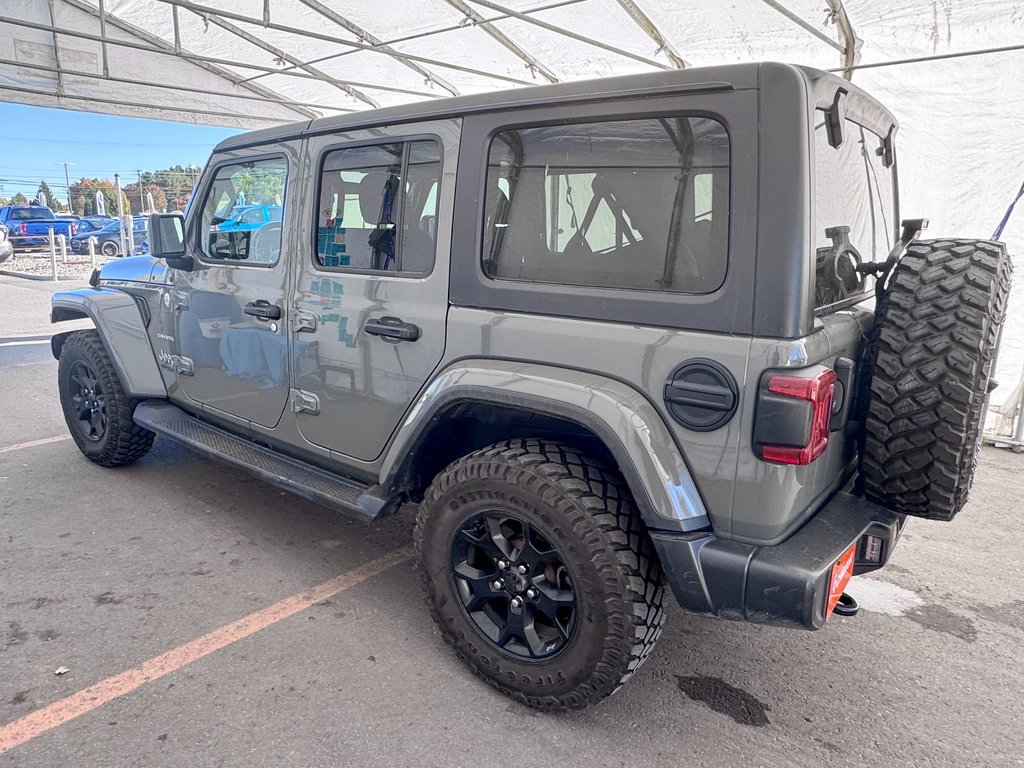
[[6, 249]]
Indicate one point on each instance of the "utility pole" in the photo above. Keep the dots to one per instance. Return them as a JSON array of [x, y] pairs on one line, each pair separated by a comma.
[[67, 181], [142, 200]]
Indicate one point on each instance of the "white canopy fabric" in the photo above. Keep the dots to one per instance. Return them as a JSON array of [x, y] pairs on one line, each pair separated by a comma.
[[254, 63]]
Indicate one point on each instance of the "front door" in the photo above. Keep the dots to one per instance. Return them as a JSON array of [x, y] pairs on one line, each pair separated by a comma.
[[232, 319], [371, 298]]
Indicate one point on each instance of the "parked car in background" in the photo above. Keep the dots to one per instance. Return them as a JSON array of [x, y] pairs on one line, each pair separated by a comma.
[[6, 249], [30, 225], [108, 238], [68, 217], [93, 223], [247, 217]]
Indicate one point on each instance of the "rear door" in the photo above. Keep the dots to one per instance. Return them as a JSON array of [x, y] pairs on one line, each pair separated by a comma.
[[371, 296], [232, 319]]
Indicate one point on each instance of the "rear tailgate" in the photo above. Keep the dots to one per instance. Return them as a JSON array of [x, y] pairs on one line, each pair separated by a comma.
[[774, 498]]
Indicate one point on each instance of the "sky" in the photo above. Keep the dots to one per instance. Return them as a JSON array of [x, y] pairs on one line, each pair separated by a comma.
[[35, 141]]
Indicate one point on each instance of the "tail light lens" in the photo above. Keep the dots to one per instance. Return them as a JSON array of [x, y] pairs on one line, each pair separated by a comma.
[[23, 228], [215, 228], [793, 414], [72, 229]]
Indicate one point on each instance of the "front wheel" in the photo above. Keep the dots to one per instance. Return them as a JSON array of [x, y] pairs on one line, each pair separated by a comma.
[[538, 571], [96, 408]]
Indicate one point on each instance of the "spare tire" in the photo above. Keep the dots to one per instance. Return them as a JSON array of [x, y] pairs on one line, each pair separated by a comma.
[[929, 358]]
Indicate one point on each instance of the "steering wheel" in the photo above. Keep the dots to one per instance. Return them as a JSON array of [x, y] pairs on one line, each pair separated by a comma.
[[265, 244]]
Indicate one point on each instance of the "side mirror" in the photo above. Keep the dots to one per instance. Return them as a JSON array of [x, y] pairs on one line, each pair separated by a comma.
[[167, 239]]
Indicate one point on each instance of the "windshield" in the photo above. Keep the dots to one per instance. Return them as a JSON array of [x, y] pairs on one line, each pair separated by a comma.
[[855, 210], [31, 214]]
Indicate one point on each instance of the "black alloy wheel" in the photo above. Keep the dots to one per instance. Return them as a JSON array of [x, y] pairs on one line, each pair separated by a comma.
[[514, 585], [88, 401]]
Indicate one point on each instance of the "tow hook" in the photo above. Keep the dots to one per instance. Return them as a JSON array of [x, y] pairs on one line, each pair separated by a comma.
[[847, 605]]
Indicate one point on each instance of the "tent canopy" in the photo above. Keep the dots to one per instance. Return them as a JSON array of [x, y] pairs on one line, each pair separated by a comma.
[[255, 63]]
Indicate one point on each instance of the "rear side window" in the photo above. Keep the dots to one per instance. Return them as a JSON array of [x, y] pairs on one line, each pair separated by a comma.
[[236, 188], [632, 204], [854, 203], [377, 208], [31, 214]]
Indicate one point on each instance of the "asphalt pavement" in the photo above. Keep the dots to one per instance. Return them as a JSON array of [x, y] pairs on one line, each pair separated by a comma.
[[136, 580]]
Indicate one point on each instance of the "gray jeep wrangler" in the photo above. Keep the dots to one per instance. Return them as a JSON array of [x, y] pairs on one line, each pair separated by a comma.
[[610, 335]]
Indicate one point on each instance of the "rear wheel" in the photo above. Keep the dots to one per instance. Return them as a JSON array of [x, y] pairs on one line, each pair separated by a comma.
[[931, 356], [539, 573], [96, 408], [109, 249]]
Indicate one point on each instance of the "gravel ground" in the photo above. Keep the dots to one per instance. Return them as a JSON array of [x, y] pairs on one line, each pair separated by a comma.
[[77, 265]]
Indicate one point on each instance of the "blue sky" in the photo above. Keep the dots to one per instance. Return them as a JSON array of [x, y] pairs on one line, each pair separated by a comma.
[[33, 140]]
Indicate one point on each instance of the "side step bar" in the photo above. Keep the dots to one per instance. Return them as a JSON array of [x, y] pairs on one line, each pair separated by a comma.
[[310, 482]]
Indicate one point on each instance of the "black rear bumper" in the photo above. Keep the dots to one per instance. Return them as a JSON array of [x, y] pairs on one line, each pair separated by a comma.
[[785, 585]]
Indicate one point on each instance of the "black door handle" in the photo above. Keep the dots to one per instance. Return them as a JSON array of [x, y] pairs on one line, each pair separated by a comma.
[[392, 328], [262, 310]]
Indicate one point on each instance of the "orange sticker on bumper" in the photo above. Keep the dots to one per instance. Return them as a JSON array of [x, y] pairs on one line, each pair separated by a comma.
[[842, 572]]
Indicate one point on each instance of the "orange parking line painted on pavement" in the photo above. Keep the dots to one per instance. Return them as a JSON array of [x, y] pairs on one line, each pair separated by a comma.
[[60, 712], [34, 443]]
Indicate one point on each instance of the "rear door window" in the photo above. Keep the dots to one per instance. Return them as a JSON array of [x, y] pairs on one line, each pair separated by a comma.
[[854, 203], [631, 204], [377, 208]]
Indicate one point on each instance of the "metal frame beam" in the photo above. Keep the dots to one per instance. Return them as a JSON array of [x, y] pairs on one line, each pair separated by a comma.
[[306, 33], [651, 30], [851, 43], [804, 25], [431, 33], [122, 102], [572, 35], [234, 78], [363, 34], [213, 18], [157, 45], [502, 39], [279, 101]]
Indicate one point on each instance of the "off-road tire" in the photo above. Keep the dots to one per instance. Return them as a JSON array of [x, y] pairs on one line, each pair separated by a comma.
[[590, 517], [123, 440], [930, 356]]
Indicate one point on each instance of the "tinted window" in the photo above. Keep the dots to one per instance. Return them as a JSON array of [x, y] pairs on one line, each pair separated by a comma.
[[31, 214], [852, 189], [237, 185], [378, 208], [637, 204]]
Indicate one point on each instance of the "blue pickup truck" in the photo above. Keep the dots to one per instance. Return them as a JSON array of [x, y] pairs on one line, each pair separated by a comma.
[[29, 225]]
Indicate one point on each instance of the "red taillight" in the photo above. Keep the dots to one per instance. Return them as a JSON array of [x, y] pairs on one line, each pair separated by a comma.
[[23, 228], [72, 229], [816, 390], [214, 228]]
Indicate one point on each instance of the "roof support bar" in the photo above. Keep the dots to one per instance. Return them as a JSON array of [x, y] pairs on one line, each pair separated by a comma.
[[56, 50], [431, 33], [503, 39], [355, 93], [205, 61], [158, 45], [851, 43], [103, 34], [123, 102], [362, 34], [804, 25], [333, 39], [169, 86], [572, 35], [651, 29]]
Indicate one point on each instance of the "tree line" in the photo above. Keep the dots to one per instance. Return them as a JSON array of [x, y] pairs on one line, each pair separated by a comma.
[[169, 187]]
